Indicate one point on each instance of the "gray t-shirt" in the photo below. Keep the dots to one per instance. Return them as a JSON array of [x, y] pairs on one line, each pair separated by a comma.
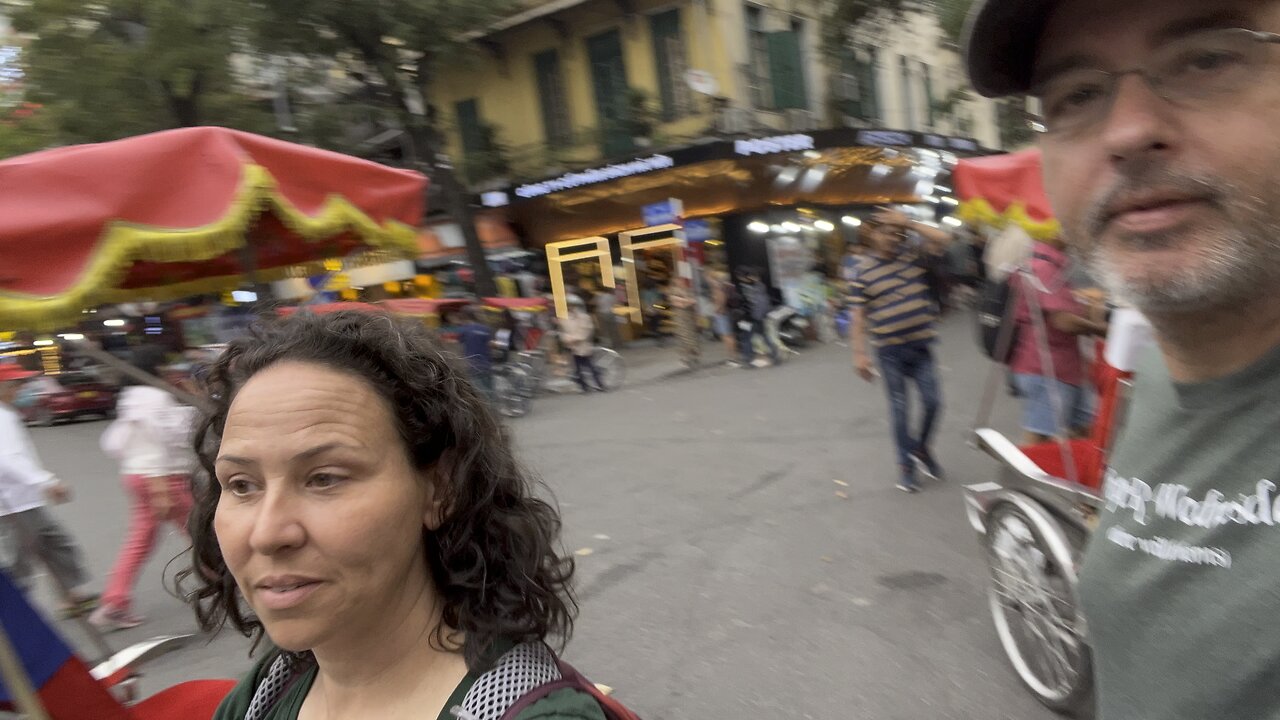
[[1181, 580]]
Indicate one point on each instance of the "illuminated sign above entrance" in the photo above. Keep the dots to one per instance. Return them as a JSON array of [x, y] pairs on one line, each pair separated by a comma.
[[735, 149]]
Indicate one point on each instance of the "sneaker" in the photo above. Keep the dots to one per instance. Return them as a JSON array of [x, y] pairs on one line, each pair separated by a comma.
[[761, 363], [78, 607], [908, 488], [927, 466], [108, 620]]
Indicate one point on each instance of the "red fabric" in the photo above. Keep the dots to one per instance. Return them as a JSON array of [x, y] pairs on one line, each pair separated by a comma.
[[1003, 180], [420, 307], [57, 203], [193, 700], [1050, 267], [140, 539], [513, 303], [1089, 454], [73, 694]]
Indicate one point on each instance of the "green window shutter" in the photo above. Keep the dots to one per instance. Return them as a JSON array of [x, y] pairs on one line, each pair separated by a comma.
[[928, 92], [468, 114], [871, 87], [786, 70], [609, 81], [551, 96], [669, 59]]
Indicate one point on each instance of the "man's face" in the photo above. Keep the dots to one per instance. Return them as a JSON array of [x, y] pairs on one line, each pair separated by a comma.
[[886, 239], [1176, 206]]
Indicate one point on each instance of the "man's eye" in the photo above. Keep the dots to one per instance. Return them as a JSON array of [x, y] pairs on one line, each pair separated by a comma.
[[1075, 99], [1207, 61]]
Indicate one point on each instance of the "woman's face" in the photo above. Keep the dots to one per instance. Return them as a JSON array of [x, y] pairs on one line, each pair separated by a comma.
[[321, 514]]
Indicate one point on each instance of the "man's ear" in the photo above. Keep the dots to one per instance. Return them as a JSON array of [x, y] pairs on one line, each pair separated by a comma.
[[435, 479]]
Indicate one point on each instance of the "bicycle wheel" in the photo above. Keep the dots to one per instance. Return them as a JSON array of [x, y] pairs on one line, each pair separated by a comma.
[[510, 391], [1035, 608], [613, 369]]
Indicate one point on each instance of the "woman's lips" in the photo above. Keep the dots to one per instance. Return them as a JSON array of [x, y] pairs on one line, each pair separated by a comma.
[[286, 597]]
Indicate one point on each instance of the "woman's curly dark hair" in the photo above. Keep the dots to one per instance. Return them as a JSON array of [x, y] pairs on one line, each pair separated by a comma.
[[495, 559]]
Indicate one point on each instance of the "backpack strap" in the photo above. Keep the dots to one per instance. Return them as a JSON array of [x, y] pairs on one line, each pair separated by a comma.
[[524, 668], [284, 672]]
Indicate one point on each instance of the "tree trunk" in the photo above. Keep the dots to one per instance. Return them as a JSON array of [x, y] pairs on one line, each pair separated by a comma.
[[424, 143]]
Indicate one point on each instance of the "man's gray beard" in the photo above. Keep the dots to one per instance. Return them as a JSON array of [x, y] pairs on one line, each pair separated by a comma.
[[1234, 267]]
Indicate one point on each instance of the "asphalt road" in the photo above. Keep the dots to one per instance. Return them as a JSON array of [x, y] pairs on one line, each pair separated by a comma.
[[723, 572]]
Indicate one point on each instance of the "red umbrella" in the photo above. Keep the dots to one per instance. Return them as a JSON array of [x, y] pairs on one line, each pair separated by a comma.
[[170, 214], [999, 189]]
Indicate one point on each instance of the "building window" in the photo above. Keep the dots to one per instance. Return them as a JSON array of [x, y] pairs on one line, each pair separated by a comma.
[[908, 95], [672, 63], [556, 123], [469, 127], [612, 93], [927, 78], [859, 86], [758, 60]]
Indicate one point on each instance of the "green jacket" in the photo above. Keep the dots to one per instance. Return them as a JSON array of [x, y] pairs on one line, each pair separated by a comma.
[[561, 705]]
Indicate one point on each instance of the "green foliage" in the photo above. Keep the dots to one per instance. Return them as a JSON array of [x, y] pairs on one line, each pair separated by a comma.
[[952, 15], [114, 68]]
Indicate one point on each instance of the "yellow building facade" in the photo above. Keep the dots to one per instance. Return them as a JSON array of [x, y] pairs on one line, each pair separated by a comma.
[[538, 86]]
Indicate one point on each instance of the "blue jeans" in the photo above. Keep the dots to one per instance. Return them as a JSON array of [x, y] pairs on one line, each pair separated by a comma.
[[898, 364]]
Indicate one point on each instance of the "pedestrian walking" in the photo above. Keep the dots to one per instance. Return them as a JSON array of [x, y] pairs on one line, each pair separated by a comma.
[[476, 339], [151, 440], [893, 309], [26, 491], [577, 332], [368, 516], [1160, 147], [605, 300], [721, 320], [758, 305]]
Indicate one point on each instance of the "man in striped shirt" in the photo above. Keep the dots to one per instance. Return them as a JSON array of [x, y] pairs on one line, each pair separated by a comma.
[[892, 305]]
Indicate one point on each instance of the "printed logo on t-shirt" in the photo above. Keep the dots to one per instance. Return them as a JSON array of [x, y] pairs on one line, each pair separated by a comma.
[[1174, 502]]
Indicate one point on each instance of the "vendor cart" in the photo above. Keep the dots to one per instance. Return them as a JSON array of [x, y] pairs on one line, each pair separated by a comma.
[[152, 218], [1035, 516]]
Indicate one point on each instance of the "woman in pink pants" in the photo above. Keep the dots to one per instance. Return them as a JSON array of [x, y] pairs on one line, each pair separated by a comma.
[[150, 439]]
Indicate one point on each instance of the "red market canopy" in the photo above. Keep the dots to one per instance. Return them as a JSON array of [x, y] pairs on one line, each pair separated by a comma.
[[424, 307], [169, 214], [524, 304], [1000, 189]]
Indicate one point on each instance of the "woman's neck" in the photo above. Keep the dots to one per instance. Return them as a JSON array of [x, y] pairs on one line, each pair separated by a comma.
[[397, 671]]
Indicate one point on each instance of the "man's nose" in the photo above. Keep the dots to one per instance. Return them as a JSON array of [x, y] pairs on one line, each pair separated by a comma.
[[1139, 121]]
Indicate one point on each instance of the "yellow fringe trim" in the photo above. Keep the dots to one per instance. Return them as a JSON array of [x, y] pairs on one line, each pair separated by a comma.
[[980, 212], [123, 244]]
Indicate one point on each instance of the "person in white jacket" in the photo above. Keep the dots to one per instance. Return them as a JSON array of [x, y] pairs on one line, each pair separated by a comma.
[[26, 489], [150, 438], [577, 332]]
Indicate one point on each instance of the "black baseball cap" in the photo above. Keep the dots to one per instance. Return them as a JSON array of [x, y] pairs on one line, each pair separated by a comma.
[[1001, 42]]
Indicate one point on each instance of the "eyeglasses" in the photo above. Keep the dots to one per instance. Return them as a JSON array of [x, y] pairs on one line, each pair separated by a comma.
[[1188, 72]]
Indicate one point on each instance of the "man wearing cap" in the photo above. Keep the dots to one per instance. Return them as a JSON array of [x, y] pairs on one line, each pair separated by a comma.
[[25, 490], [1160, 132]]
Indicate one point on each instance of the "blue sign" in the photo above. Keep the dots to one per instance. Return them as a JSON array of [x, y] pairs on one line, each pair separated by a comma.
[[662, 213], [696, 231]]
